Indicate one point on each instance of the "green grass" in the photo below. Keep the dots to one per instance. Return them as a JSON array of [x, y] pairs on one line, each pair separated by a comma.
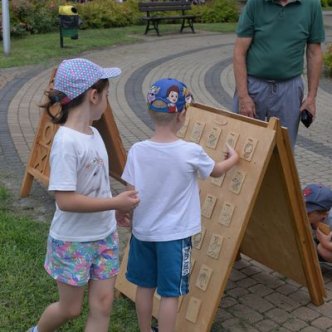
[[4, 195], [43, 48], [26, 289]]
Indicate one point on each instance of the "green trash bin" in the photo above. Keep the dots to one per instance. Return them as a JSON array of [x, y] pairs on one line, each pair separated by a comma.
[[69, 22]]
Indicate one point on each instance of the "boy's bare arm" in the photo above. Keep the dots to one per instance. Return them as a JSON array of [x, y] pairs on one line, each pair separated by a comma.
[[220, 167]]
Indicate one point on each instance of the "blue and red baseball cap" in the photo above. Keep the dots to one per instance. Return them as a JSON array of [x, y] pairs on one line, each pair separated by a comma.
[[168, 95], [317, 197], [75, 76]]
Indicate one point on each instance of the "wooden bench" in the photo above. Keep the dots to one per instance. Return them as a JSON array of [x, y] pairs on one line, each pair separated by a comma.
[[154, 15]]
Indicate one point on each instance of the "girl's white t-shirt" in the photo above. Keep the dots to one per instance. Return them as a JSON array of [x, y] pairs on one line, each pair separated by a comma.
[[79, 162], [165, 176]]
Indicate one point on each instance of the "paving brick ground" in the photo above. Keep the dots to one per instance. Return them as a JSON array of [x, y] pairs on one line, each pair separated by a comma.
[[256, 298]]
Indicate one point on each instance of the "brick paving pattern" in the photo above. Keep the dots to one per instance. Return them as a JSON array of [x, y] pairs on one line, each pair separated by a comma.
[[256, 298]]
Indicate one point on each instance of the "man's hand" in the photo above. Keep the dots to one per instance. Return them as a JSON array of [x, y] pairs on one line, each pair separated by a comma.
[[247, 106], [310, 105]]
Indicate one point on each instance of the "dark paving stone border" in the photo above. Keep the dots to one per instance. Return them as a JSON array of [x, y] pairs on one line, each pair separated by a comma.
[[213, 85], [133, 92], [136, 99], [7, 93], [10, 161], [11, 166]]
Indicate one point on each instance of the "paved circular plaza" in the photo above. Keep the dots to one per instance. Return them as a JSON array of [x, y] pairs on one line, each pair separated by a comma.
[[256, 298]]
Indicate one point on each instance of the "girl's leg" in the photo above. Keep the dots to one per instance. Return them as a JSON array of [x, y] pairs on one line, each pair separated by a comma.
[[167, 314], [69, 306], [144, 303], [100, 304]]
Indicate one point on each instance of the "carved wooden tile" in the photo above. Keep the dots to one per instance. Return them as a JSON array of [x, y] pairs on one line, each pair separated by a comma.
[[208, 206], [203, 277], [221, 120], [249, 148], [215, 246], [197, 131], [193, 309], [213, 137], [218, 181], [231, 139], [226, 214], [237, 181], [198, 238]]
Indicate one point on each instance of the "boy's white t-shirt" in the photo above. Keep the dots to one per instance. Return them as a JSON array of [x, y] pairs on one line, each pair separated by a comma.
[[165, 176], [79, 162]]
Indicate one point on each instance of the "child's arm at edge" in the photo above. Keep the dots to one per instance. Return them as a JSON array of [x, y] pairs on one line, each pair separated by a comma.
[[72, 201], [220, 167]]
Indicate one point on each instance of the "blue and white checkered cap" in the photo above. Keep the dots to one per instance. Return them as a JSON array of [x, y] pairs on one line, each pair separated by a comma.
[[75, 76]]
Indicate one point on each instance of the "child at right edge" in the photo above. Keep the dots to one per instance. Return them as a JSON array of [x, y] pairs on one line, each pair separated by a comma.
[[164, 170]]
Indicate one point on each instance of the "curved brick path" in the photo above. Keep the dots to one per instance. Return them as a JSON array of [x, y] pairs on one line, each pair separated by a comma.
[[256, 299]]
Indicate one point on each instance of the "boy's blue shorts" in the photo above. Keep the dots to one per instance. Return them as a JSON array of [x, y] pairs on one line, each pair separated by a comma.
[[161, 265]]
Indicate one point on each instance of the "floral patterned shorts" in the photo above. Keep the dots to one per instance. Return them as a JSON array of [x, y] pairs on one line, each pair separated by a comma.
[[75, 263]]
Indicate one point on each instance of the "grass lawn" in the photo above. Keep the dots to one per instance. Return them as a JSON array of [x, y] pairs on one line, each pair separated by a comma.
[[43, 48], [26, 289]]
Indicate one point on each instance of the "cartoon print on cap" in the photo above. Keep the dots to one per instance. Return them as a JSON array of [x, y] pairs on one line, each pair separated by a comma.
[[172, 96], [153, 91], [168, 95], [307, 191]]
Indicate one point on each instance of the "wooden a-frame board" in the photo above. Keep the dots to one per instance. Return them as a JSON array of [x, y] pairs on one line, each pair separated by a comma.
[[38, 164], [257, 208]]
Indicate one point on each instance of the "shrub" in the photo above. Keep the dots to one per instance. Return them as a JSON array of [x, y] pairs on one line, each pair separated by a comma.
[[108, 13], [217, 11], [33, 16], [40, 16], [324, 3]]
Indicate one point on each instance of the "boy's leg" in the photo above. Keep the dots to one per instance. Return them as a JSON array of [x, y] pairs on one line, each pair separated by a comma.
[[144, 303], [100, 304], [173, 279], [69, 306], [167, 314]]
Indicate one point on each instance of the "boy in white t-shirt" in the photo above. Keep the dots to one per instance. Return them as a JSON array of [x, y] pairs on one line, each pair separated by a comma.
[[164, 171]]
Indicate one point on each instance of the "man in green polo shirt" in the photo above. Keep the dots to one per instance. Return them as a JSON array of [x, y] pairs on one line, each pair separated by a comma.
[[268, 60]]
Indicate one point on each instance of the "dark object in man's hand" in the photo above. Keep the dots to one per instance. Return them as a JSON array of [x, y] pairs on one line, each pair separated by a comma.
[[306, 118]]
